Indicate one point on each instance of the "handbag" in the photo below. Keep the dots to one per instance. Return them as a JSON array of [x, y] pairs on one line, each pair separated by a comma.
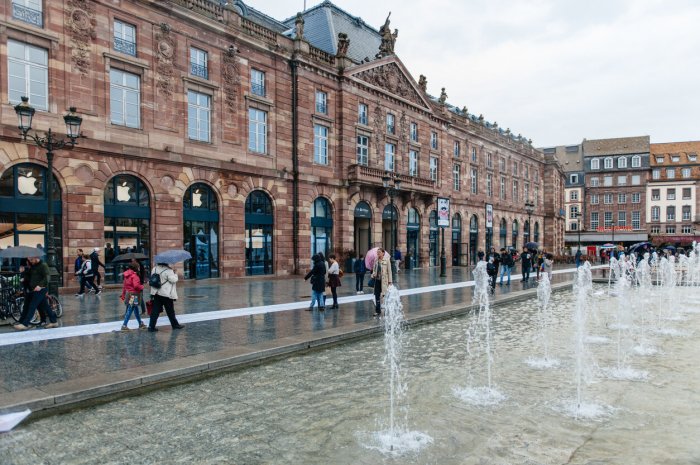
[[149, 306], [371, 282]]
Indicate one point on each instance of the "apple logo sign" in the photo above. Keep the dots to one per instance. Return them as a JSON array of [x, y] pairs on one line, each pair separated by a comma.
[[26, 184], [123, 193], [196, 199]]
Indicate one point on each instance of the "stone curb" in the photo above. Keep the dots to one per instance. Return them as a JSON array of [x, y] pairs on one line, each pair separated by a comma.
[[104, 387]]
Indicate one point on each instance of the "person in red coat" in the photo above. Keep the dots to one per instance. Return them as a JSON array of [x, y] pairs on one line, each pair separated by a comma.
[[131, 293]]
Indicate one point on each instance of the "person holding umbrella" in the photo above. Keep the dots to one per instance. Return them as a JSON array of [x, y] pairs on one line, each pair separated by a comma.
[[163, 282]]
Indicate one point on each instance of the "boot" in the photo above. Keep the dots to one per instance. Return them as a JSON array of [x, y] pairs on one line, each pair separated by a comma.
[[321, 309], [310, 309]]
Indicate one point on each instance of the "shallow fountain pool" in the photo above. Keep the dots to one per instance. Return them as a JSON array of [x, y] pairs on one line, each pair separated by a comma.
[[326, 407]]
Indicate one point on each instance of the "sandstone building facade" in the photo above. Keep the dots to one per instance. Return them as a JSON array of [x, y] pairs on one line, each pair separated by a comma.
[[249, 141]]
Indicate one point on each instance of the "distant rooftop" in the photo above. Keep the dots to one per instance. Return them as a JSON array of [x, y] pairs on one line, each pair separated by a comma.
[[616, 146]]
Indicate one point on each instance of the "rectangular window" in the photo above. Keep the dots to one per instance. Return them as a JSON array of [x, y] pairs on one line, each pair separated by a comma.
[[636, 180], [636, 198], [573, 195], [124, 98], [390, 124], [474, 154], [656, 194], [537, 195], [199, 63], [573, 211], [608, 163], [389, 156], [622, 218], [413, 163], [670, 213], [573, 178], [671, 194], [527, 191], [503, 187], [489, 160], [621, 198], [659, 159], [321, 102], [656, 173], [198, 116], [692, 157], [320, 144], [433, 168], [607, 181], [489, 185], [475, 181], [608, 218], [655, 213], [595, 182], [515, 191], [687, 229], [675, 158], [456, 170], [686, 193], [608, 199], [573, 226], [655, 230], [414, 132], [527, 172], [257, 82], [622, 180], [502, 164], [124, 38], [257, 130], [457, 148], [686, 212], [434, 140], [362, 114], [670, 173], [635, 220], [362, 150], [29, 11], [28, 74], [515, 168], [594, 220], [594, 199], [670, 230], [685, 172], [636, 161]]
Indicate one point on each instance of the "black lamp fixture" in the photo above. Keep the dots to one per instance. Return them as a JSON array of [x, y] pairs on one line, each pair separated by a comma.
[[25, 114], [392, 191]]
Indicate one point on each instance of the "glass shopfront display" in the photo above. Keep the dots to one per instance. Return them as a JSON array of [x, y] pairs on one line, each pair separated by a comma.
[[200, 209], [259, 226], [321, 227]]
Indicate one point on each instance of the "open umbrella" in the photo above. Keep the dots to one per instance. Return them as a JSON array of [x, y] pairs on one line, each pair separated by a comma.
[[670, 247], [638, 245], [22, 251], [371, 257], [172, 256], [532, 245], [608, 246], [127, 257]]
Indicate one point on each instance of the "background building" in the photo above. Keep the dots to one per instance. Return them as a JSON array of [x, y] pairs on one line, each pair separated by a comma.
[[570, 158]]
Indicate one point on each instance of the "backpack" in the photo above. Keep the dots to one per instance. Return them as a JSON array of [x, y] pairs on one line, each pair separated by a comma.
[[154, 281]]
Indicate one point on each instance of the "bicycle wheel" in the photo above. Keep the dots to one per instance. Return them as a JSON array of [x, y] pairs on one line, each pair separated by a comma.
[[16, 306], [56, 305], [36, 319]]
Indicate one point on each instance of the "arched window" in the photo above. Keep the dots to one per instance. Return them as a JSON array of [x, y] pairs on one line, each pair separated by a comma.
[[636, 161], [622, 162], [127, 206], [595, 164], [537, 232], [24, 211], [526, 233], [456, 239], [321, 227], [200, 211], [608, 162], [259, 223], [412, 238], [473, 238], [503, 233], [515, 234]]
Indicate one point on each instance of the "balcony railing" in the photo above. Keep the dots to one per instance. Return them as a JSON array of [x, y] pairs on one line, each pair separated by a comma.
[[28, 15], [321, 108], [258, 89], [125, 46], [199, 70], [214, 10], [373, 176]]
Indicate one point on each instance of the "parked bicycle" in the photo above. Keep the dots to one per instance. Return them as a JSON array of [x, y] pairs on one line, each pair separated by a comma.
[[9, 305], [53, 302]]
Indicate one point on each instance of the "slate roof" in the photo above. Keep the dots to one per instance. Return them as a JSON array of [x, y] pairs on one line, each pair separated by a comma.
[[616, 146], [323, 23], [257, 16]]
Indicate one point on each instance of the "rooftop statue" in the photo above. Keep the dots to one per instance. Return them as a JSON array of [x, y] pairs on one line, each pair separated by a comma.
[[299, 27], [388, 39]]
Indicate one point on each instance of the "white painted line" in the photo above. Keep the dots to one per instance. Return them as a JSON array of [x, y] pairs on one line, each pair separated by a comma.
[[34, 335]]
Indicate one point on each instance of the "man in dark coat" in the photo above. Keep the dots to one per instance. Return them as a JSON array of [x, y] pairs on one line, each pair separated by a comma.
[[38, 282], [96, 263], [318, 282], [526, 262]]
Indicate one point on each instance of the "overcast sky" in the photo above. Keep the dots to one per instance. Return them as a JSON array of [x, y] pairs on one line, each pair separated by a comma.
[[556, 71]]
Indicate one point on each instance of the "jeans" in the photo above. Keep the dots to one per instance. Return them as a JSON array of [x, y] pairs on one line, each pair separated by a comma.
[[132, 306], [37, 299], [526, 271], [359, 281], [317, 297], [505, 269]]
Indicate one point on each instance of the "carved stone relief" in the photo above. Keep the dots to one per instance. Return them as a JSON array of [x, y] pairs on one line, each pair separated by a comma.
[[165, 51], [390, 78], [81, 22], [378, 125], [232, 77]]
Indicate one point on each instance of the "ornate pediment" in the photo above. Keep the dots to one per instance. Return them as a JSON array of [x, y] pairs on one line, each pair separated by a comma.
[[391, 78]]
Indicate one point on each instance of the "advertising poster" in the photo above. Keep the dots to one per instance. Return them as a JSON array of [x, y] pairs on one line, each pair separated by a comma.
[[489, 215], [443, 208]]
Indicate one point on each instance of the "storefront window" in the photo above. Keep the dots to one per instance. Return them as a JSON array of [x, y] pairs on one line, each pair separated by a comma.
[[259, 223], [200, 209], [321, 227]]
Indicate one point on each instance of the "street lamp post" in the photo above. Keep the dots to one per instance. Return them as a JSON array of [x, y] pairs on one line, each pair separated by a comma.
[[529, 209], [50, 142], [443, 255], [392, 191]]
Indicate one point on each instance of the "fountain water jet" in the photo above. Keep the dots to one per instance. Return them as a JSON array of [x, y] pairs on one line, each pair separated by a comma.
[[544, 291]]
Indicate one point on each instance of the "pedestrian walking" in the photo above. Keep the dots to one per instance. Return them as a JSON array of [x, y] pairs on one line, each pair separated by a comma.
[[334, 279], [577, 257], [548, 264], [88, 277], [164, 296], [526, 264], [360, 269], [496, 258], [96, 264], [318, 282], [381, 272], [397, 259], [492, 271], [132, 293], [506, 265], [141, 271], [38, 285], [78, 264]]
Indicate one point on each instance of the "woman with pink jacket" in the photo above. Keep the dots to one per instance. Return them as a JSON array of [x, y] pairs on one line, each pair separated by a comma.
[[131, 291]]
